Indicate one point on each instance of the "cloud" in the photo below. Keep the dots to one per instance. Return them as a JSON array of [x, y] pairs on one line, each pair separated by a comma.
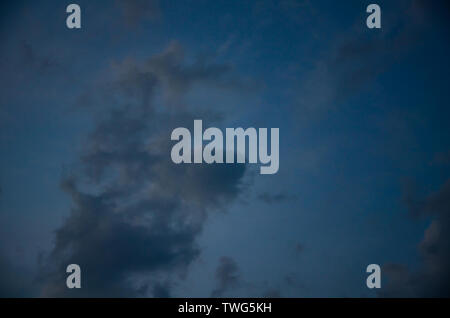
[[136, 215], [227, 276], [432, 279], [110, 243], [357, 57], [171, 74]]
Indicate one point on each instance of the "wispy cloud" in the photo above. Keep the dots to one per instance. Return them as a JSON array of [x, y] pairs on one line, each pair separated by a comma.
[[136, 214]]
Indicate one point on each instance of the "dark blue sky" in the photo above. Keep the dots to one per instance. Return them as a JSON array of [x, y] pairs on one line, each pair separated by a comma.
[[85, 170]]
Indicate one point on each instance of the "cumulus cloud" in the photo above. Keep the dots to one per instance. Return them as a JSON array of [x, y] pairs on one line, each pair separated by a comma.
[[432, 279], [136, 215]]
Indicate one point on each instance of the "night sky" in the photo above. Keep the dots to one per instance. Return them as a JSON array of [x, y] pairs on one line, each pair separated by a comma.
[[86, 175]]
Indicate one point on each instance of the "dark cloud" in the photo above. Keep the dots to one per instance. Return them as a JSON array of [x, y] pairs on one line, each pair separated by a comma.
[[432, 279], [227, 275], [136, 215], [110, 243], [276, 198]]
